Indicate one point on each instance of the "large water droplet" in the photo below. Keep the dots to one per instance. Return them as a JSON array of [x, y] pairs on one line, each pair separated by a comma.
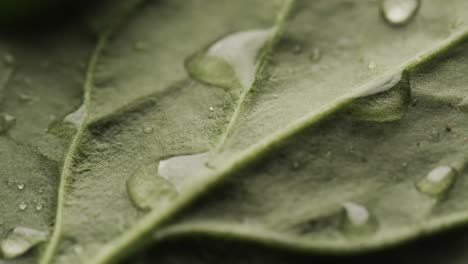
[[383, 84], [437, 181], [387, 101], [399, 12], [148, 190], [157, 184], [6, 122], [231, 62], [180, 170], [21, 186], [76, 118], [20, 240], [357, 220]]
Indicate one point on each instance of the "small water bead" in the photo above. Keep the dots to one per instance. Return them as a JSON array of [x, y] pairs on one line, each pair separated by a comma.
[[140, 46], [102, 146], [20, 240], [45, 64], [23, 206], [448, 127], [357, 220], [211, 108], [297, 49], [52, 118], [315, 55], [9, 59], [148, 130], [371, 65], [24, 97], [21, 186], [356, 213], [77, 117], [456, 23], [10, 182], [463, 104], [7, 121], [78, 249], [232, 61], [399, 12], [40, 190], [39, 206], [296, 165], [437, 181]]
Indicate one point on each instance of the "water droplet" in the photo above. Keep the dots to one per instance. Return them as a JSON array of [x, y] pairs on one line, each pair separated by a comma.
[[371, 65], [357, 220], [456, 23], [148, 130], [78, 249], [9, 59], [295, 165], [383, 84], [140, 46], [448, 127], [39, 206], [232, 61], [315, 55], [399, 12], [20, 240], [102, 146], [463, 104], [297, 49], [387, 101], [21, 186], [23, 206], [76, 118], [24, 97], [6, 122], [40, 190], [45, 64], [179, 170], [211, 108], [10, 182], [147, 189], [437, 181], [356, 214]]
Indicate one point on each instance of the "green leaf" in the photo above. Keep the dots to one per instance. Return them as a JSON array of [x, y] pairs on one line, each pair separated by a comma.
[[40, 83], [449, 248], [303, 111], [408, 174]]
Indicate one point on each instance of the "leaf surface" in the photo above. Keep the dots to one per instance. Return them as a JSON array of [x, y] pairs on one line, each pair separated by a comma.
[[294, 103]]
